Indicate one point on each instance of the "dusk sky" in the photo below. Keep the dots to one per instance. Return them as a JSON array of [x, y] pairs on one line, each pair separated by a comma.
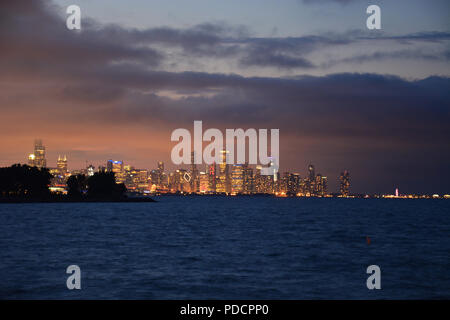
[[374, 102]]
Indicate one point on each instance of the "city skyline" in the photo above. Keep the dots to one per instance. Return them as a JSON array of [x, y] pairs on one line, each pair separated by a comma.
[[220, 178], [374, 102]]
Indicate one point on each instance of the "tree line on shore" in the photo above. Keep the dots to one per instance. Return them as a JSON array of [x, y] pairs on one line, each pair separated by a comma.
[[29, 182]]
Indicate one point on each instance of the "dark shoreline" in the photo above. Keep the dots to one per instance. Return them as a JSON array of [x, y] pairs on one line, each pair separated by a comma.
[[62, 200]]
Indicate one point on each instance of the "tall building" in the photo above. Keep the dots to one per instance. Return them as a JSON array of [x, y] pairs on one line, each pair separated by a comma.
[[195, 183], [161, 174], [37, 159], [61, 165], [161, 167], [311, 180], [324, 186], [223, 184], [204, 182], [320, 185], [248, 187], [118, 168], [212, 177], [237, 179], [345, 183], [293, 184]]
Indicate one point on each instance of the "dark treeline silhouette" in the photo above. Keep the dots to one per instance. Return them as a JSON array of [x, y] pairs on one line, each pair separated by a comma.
[[23, 181], [28, 183], [76, 186], [102, 185]]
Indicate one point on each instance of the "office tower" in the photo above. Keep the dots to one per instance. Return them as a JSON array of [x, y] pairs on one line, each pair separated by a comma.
[[293, 184], [311, 180], [61, 165], [311, 171], [345, 183], [212, 177], [248, 187], [284, 182], [183, 179], [141, 180], [155, 177], [237, 179], [171, 182], [195, 183], [324, 186], [130, 177], [37, 158], [320, 185], [303, 188], [161, 166], [204, 182], [118, 168], [161, 174], [223, 184], [258, 183]]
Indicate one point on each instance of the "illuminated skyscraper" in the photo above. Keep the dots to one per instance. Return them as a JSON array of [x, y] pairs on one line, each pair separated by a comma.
[[324, 186], [204, 182], [223, 185], [118, 169], [195, 183], [161, 166], [320, 185], [248, 187], [37, 158], [311, 180], [212, 177], [61, 165], [293, 184], [345, 183], [312, 174], [237, 179]]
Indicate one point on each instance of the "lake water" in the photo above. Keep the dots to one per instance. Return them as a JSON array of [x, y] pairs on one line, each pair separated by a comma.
[[227, 248]]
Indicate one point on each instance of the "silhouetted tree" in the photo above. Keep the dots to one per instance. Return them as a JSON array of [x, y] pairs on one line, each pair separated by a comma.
[[102, 185], [76, 185], [24, 181]]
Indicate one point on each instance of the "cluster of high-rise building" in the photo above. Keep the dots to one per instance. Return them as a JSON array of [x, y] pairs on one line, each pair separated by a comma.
[[221, 178]]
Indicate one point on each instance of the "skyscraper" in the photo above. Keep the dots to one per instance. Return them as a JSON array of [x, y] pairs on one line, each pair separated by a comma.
[[223, 185], [161, 166], [293, 184], [204, 182], [61, 165], [237, 179], [195, 182], [37, 158], [321, 185], [311, 180], [118, 169], [159, 176], [249, 185], [212, 177], [345, 183]]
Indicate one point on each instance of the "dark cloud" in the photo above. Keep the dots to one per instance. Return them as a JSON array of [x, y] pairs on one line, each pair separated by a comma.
[[393, 55], [327, 1]]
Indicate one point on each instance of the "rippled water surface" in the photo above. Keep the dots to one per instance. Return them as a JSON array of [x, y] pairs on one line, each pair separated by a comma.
[[226, 248]]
